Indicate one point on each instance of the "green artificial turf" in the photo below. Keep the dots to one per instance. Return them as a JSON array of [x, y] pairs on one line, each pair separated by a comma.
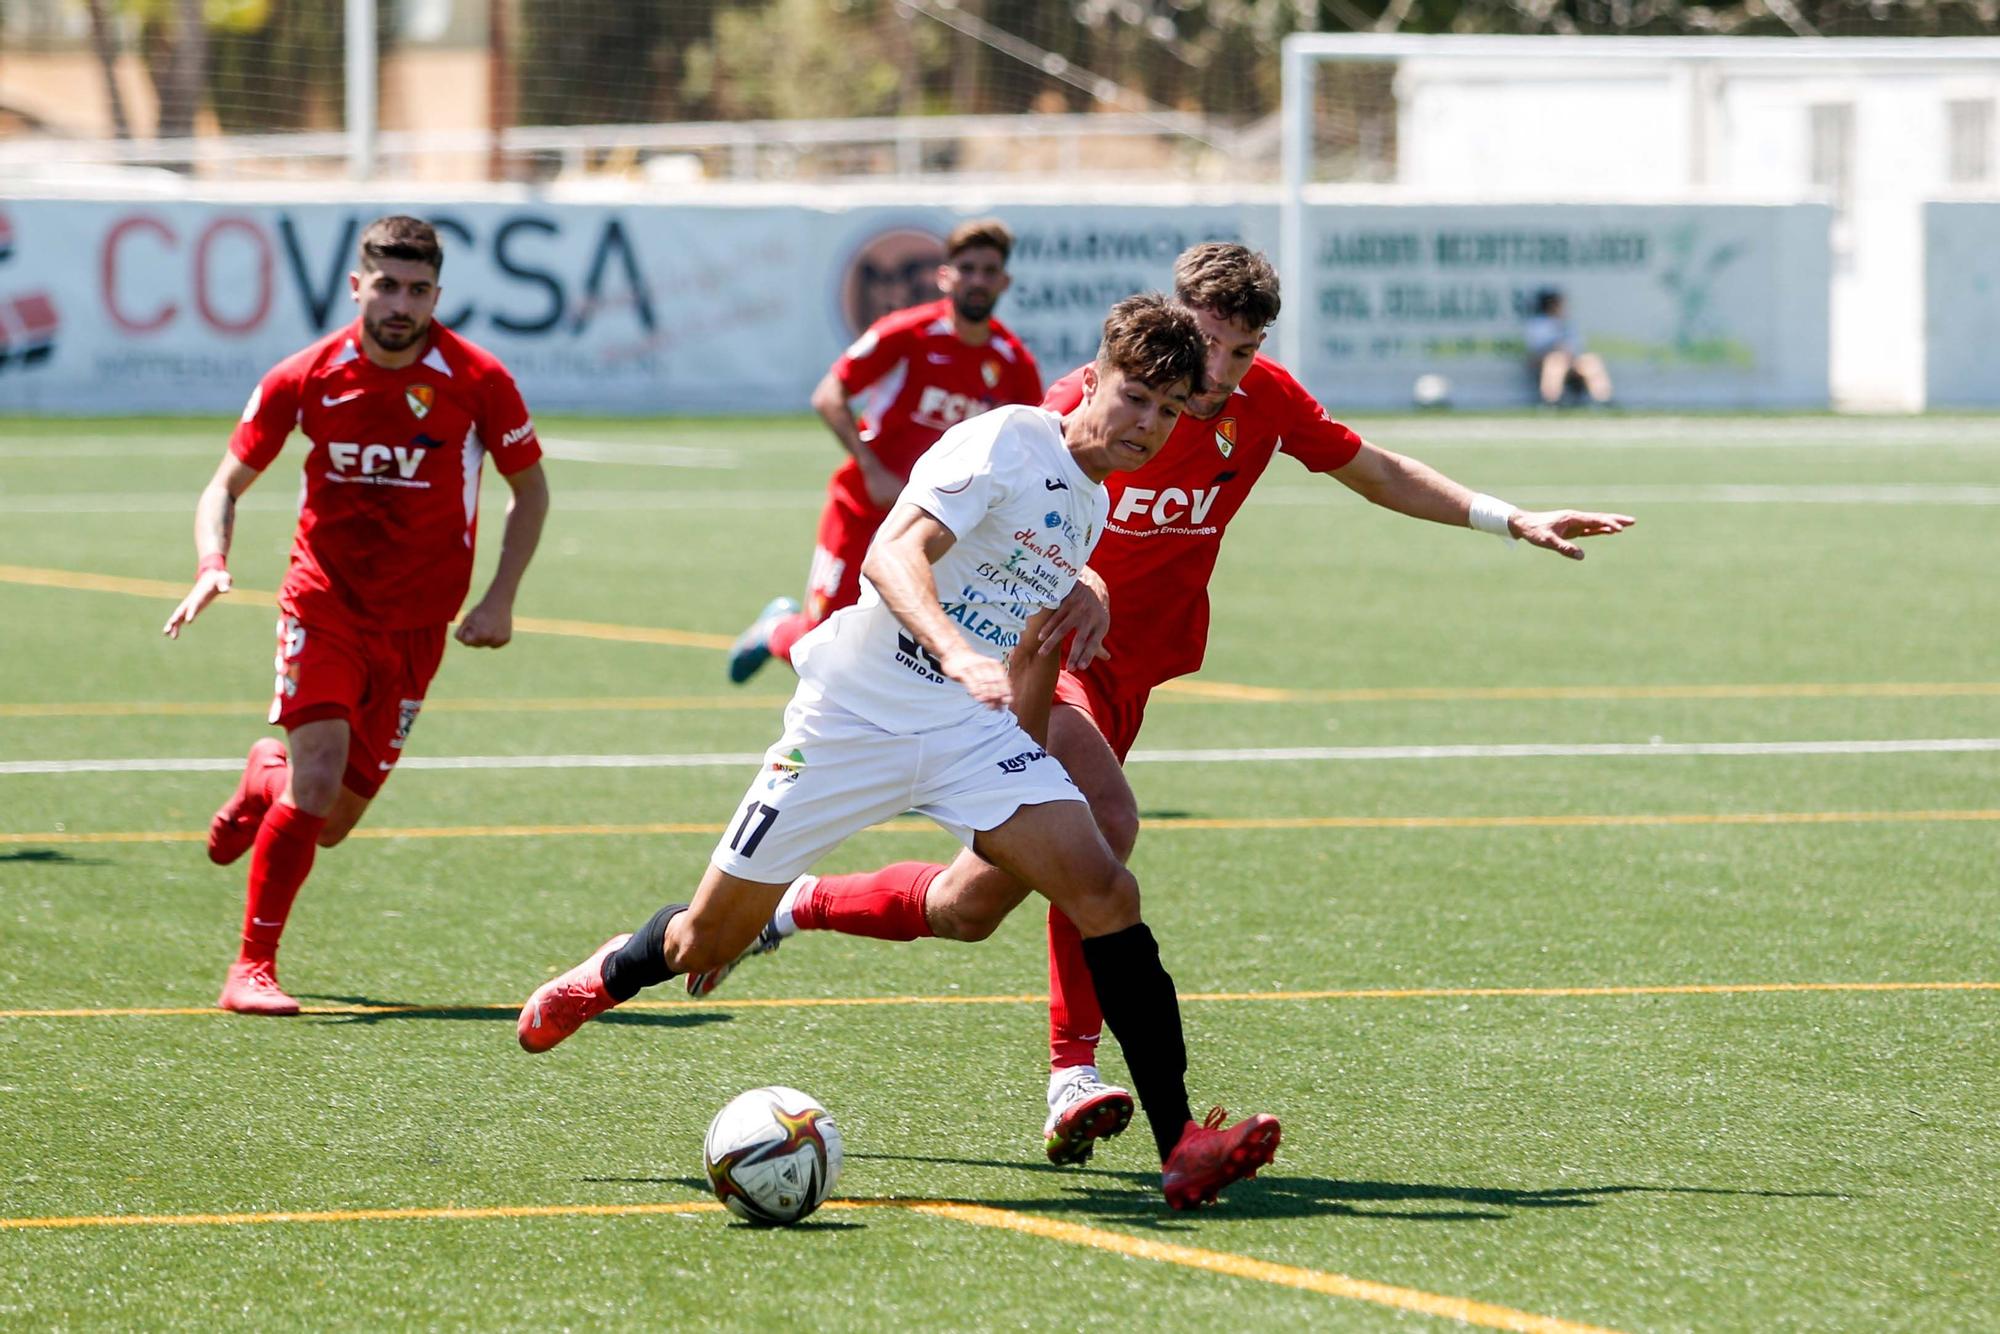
[[1501, 1078]]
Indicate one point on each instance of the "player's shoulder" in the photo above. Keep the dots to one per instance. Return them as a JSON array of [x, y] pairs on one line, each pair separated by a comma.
[[1066, 393], [932, 317], [1268, 377], [1009, 345], [1005, 436], [1016, 421], [1268, 388], [326, 353], [453, 354]]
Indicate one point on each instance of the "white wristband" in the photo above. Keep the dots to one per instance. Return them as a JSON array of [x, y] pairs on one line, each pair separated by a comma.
[[1490, 514]]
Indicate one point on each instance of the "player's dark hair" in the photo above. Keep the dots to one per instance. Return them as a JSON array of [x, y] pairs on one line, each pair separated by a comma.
[[400, 237], [987, 233], [1229, 280], [1155, 340], [1547, 299]]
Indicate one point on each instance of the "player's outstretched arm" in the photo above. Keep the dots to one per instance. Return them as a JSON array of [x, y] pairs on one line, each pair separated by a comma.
[[214, 526], [1420, 491], [490, 623], [898, 563]]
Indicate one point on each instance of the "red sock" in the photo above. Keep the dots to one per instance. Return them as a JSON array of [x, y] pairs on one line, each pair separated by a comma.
[[1075, 1021], [884, 905], [787, 632], [279, 861]]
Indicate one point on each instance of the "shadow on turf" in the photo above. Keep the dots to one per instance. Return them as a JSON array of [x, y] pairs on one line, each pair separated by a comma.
[[632, 1018], [49, 857], [819, 1223], [1280, 1196]]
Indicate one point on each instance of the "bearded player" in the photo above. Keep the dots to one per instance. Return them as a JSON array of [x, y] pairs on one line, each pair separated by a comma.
[[1159, 550], [916, 373], [400, 413]]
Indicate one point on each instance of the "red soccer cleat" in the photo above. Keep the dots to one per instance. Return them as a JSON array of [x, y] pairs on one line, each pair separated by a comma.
[[252, 988], [1210, 1157], [234, 827], [567, 1002]]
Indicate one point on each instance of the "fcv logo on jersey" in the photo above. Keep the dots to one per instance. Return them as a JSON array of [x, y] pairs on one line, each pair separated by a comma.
[[354, 462], [1171, 506]]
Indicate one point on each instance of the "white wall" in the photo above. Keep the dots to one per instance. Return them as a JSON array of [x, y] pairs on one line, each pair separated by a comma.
[[1635, 135]]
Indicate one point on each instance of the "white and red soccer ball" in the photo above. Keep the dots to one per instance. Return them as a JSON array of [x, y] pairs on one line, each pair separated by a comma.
[[772, 1154]]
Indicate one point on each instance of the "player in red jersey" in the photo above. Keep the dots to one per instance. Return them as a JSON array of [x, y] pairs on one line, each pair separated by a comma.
[[400, 412], [1158, 551], [917, 373]]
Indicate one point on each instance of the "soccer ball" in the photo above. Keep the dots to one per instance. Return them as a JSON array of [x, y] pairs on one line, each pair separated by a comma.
[[772, 1155], [1431, 391]]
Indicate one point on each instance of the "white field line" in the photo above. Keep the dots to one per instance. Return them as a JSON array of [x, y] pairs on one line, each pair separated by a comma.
[[1271, 755], [1288, 496], [182, 502], [1588, 430], [638, 454]]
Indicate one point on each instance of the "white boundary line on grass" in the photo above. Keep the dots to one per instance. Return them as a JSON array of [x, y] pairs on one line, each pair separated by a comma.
[[1250, 755], [1286, 496]]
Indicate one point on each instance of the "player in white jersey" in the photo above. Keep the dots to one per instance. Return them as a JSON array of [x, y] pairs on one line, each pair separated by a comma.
[[903, 704]]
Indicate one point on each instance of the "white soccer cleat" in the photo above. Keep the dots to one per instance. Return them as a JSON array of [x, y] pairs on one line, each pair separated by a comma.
[[1082, 1110]]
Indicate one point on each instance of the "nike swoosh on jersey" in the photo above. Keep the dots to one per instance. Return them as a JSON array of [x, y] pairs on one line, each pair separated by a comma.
[[938, 358], [326, 402]]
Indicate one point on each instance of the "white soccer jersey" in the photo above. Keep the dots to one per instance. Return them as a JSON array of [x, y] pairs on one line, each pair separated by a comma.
[[1025, 518]]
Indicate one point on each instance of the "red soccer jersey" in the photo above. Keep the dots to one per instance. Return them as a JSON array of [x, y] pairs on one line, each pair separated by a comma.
[[1165, 531], [917, 379], [390, 501]]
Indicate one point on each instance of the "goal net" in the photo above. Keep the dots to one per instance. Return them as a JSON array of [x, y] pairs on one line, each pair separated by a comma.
[[463, 90]]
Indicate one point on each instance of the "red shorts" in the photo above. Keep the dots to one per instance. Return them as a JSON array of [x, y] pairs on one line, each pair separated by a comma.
[[835, 579], [1118, 716], [374, 679]]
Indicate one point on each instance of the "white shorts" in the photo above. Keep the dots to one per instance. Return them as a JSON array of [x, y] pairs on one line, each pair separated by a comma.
[[833, 774]]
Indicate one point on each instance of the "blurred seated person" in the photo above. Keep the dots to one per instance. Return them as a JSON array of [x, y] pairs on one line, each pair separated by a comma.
[[1556, 356]]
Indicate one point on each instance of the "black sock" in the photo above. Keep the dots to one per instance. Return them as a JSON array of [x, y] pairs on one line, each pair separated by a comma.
[[1144, 1014], [641, 961]]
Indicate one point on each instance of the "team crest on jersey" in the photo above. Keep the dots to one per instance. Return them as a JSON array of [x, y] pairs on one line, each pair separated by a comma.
[[1225, 435], [420, 397], [989, 371]]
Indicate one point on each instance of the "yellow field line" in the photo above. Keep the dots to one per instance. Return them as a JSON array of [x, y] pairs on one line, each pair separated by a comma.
[[258, 599], [1183, 691], [372, 1215], [1161, 823], [1229, 997], [1262, 1271], [976, 1215]]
